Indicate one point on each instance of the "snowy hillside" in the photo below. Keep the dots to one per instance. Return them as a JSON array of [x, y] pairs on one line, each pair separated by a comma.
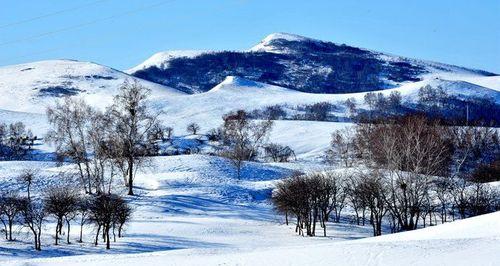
[[237, 93], [162, 59], [294, 62], [232, 94], [192, 211], [30, 87]]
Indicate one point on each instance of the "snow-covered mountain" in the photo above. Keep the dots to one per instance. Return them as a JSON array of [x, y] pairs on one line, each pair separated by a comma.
[[31, 87], [282, 69], [294, 62]]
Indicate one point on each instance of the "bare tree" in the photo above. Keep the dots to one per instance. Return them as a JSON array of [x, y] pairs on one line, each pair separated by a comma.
[[27, 178], [328, 189], [442, 189], [123, 216], [482, 199], [292, 195], [394, 100], [169, 131], [371, 100], [373, 192], [279, 153], [10, 210], [104, 212], [351, 103], [71, 120], [342, 148], [354, 198], [133, 121], [16, 140], [83, 211], [34, 214], [193, 128], [242, 138], [318, 111], [61, 202], [106, 160]]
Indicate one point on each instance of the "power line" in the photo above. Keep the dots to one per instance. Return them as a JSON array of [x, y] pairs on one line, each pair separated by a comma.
[[50, 14], [41, 35]]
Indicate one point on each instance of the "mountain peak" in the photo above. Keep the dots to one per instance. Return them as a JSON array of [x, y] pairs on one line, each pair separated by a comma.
[[161, 59], [266, 45]]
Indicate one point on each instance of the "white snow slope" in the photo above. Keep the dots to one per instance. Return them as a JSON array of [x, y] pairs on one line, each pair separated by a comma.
[[207, 108], [192, 211], [31, 87], [162, 59]]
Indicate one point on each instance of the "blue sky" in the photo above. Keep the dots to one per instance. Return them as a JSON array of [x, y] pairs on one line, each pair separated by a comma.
[[122, 34]]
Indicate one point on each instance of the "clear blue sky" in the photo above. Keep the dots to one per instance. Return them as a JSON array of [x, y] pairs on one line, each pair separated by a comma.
[[121, 33]]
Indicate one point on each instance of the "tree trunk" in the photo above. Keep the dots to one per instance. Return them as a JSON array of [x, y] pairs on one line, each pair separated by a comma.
[[97, 234], [67, 237], [57, 233], [130, 176], [315, 215], [324, 225], [36, 241], [6, 233], [108, 245], [40, 238], [10, 230], [81, 233], [238, 170], [114, 235]]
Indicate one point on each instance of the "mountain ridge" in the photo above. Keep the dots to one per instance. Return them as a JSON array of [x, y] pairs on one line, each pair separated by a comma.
[[295, 62]]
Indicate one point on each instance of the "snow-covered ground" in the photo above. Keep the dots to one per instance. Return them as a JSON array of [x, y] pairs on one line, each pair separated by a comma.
[[192, 211], [191, 202]]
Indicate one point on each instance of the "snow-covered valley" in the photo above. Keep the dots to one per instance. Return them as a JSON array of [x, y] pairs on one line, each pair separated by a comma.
[[190, 209]]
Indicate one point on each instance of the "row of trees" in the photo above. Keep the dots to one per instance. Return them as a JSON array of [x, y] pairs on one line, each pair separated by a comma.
[[372, 196], [106, 144], [321, 111], [15, 141], [311, 198], [107, 212], [418, 169], [435, 102], [416, 143]]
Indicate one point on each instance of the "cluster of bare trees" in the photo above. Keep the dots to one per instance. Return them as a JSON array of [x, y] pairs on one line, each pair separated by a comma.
[[343, 149], [66, 205], [279, 153], [320, 197], [419, 172], [109, 213], [15, 141], [416, 154], [311, 198], [106, 144]]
